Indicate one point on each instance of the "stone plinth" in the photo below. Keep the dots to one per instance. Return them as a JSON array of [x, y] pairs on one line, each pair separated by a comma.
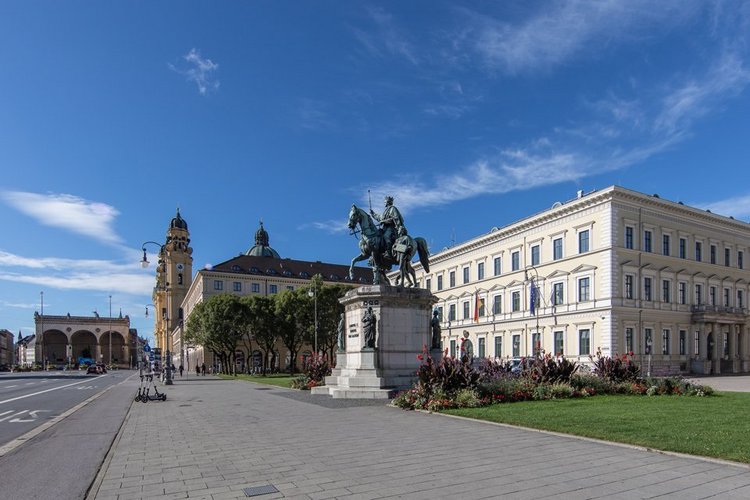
[[402, 331]]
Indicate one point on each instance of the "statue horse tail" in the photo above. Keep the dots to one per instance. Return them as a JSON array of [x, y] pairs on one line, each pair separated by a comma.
[[424, 253]]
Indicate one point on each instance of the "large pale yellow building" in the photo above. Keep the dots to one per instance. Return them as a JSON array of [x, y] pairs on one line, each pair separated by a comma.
[[612, 270]]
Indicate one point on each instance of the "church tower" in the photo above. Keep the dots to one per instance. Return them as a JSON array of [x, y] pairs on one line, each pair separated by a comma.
[[174, 274]]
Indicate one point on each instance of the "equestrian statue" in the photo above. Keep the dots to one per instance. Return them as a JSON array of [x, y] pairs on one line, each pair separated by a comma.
[[386, 243]]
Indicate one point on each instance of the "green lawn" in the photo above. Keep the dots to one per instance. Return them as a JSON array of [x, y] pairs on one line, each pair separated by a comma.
[[716, 426], [280, 380]]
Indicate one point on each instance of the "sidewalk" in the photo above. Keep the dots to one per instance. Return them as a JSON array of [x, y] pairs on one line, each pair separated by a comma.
[[212, 438]]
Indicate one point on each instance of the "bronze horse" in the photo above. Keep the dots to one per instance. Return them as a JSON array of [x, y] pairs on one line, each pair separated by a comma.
[[372, 245]]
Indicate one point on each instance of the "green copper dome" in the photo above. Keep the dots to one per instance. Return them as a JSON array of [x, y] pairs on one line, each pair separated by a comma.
[[261, 248]]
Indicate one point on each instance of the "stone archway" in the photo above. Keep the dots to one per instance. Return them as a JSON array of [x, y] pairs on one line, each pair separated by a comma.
[[55, 348], [120, 351], [84, 347]]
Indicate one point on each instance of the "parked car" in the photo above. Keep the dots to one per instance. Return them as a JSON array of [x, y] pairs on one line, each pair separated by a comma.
[[97, 369]]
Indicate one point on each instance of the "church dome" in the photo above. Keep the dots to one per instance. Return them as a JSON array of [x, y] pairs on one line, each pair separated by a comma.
[[178, 222], [261, 247]]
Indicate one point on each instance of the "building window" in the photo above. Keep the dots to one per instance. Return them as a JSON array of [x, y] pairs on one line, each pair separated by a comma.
[[497, 304], [683, 292], [726, 297], [496, 264], [466, 275], [629, 286], [452, 312], [696, 343], [698, 251], [481, 346], [536, 343], [273, 288], [535, 255], [440, 282], [683, 342], [498, 347], [179, 279], [726, 257], [646, 288], [480, 271], [467, 315], [665, 244], [629, 237], [453, 348], [452, 279], [428, 284], [628, 340], [557, 294], [583, 290], [584, 341], [698, 294], [290, 287], [666, 285], [557, 249], [237, 286], [712, 295], [740, 263], [713, 254], [583, 241], [255, 287], [218, 285], [648, 340], [647, 241], [665, 341], [559, 343], [740, 299], [515, 262], [516, 301], [683, 248], [482, 311], [516, 346]]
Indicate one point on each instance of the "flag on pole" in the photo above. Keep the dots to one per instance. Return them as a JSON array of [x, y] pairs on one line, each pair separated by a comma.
[[476, 308], [534, 293]]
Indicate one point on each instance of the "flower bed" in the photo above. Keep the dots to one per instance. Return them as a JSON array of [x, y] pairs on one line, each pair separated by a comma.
[[456, 383]]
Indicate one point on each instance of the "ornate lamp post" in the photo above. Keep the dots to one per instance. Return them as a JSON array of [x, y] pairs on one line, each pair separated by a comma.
[[41, 334], [534, 305], [165, 317]]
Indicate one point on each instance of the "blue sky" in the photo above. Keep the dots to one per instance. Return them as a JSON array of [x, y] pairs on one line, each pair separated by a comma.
[[471, 114]]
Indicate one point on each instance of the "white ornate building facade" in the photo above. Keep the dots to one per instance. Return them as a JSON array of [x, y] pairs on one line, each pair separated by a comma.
[[613, 270]]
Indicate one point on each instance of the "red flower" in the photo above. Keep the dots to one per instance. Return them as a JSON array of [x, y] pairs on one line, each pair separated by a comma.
[[420, 357]]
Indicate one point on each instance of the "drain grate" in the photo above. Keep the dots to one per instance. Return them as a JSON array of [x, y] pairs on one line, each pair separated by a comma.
[[255, 491]]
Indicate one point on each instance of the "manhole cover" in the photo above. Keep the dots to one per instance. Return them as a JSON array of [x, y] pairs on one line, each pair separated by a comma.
[[254, 491]]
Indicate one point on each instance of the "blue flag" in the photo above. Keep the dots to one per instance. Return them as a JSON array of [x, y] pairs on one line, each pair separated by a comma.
[[534, 293]]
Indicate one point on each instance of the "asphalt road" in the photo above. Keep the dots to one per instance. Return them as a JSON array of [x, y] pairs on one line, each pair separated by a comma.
[[61, 461], [27, 400]]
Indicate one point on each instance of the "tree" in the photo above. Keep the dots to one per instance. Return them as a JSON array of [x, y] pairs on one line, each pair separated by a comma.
[[329, 312], [262, 324], [291, 311], [218, 323]]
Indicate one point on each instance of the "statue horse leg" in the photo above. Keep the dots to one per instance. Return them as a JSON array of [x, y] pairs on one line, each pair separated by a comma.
[[356, 259]]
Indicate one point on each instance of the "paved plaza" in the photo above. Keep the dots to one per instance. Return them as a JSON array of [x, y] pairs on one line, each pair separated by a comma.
[[213, 438]]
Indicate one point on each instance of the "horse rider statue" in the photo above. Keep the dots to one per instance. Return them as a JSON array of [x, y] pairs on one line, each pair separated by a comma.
[[390, 221]]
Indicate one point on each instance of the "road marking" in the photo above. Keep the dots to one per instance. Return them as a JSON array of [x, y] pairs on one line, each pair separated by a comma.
[[32, 414], [8, 386], [46, 390], [14, 415]]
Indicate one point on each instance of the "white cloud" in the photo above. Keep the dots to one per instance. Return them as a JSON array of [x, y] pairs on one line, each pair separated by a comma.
[[17, 305], [329, 226], [199, 70], [67, 211], [628, 132], [561, 31], [385, 38], [737, 207]]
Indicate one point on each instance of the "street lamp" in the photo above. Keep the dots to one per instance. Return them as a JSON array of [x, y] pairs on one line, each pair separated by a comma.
[[313, 292], [110, 332], [534, 304], [41, 334], [165, 317]]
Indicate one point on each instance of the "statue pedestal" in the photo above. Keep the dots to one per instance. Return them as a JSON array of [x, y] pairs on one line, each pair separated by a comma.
[[402, 332]]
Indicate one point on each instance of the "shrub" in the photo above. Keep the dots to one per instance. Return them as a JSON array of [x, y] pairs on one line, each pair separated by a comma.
[[585, 381], [467, 398], [617, 369], [546, 369], [490, 370], [317, 370], [561, 390], [299, 382], [447, 376], [507, 389], [541, 391]]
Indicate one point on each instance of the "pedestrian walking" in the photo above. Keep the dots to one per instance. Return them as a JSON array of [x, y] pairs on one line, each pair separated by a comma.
[[181, 369], [203, 369], [197, 370]]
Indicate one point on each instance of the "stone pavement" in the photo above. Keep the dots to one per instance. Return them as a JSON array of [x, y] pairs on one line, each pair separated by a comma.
[[212, 438]]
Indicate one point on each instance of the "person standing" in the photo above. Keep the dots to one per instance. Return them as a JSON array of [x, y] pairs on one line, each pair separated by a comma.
[[181, 369], [203, 369]]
